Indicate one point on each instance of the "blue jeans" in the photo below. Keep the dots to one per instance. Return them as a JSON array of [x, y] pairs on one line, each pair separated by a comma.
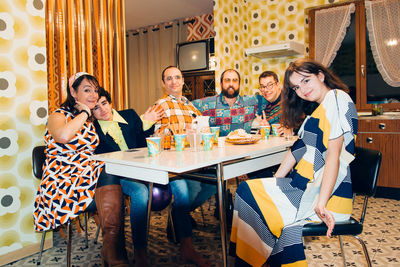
[[139, 194], [199, 192], [181, 207]]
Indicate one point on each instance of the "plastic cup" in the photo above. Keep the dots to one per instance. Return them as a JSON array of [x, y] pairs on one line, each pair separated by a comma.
[[221, 141], [153, 146], [194, 141], [180, 141], [264, 131], [274, 129], [207, 141], [215, 131]]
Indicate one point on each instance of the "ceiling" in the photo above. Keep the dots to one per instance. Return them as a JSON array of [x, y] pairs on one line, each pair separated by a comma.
[[140, 13]]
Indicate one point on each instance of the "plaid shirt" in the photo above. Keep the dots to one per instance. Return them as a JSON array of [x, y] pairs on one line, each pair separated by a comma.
[[178, 113], [240, 116], [272, 110]]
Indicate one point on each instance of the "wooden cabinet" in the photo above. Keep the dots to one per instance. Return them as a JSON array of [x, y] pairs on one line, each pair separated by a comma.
[[199, 84], [383, 135]]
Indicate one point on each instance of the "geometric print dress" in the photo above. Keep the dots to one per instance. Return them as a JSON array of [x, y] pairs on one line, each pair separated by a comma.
[[269, 213], [69, 177]]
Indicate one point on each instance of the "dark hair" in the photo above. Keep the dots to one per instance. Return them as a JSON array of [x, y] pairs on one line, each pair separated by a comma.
[[268, 73], [105, 93], [293, 107], [70, 102], [223, 73], [164, 70]]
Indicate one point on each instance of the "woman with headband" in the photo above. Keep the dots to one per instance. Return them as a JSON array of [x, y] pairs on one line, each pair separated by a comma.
[[71, 178]]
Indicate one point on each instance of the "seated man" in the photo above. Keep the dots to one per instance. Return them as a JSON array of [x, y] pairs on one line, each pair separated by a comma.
[[122, 130], [179, 113]]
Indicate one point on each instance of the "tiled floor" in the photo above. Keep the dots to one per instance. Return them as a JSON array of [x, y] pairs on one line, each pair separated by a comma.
[[381, 233]]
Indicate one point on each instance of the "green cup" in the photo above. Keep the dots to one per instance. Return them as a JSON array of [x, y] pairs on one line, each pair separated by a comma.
[[215, 131], [153, 146], [180, 141], [207, 141]]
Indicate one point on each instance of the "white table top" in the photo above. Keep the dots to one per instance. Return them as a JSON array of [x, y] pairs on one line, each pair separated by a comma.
[[188, 160]]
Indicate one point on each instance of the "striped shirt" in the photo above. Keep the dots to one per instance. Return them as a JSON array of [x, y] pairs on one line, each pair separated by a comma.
[[272, 110]]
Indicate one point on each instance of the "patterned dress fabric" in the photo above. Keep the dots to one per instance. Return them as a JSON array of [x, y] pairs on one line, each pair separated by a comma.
[[69, 177], [270, 212], [179, 112], [272, 110], [239, 116]]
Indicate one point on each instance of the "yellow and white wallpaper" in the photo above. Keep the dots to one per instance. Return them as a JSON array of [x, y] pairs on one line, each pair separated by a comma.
[[240, 24], [23, 113]]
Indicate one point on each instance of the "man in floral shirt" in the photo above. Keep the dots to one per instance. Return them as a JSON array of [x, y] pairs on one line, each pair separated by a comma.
[[229, 110]]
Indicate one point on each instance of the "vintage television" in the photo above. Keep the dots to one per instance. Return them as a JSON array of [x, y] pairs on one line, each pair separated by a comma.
[[193, 56]]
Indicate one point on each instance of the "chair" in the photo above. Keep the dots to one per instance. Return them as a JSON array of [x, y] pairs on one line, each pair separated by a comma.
[[38, 158], [364, 175]]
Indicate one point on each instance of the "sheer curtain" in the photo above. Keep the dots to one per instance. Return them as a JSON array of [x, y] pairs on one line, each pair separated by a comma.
[[149, 51], [383, 22], [330, 30]]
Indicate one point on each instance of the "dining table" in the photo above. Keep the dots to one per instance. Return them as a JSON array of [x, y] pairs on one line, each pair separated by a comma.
[[229, 161]]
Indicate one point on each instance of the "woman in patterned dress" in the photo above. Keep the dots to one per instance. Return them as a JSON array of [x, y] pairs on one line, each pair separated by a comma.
[[313, 181], [71, 178]]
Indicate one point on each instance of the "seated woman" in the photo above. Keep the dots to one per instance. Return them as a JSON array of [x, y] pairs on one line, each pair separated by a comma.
[[122, 130], [313, 181], [70, 178]]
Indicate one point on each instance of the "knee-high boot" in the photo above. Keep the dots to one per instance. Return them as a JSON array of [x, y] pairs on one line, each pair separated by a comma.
[[108, 201]]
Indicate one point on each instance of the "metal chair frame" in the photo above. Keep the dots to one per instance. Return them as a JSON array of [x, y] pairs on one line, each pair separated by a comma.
[[38, 158], [364, 173]]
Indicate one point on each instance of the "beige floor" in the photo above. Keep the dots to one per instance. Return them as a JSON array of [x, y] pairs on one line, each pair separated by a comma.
[[381, 233]]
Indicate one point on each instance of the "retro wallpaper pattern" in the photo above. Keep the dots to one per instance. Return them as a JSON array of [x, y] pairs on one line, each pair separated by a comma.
[[240, 24], [23, 113]]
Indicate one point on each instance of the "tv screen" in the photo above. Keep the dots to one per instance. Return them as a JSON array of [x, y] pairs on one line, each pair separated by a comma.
[[192, 55]]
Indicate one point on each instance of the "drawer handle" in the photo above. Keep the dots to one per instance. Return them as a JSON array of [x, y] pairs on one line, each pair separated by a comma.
[[369, 140], [382, 126]]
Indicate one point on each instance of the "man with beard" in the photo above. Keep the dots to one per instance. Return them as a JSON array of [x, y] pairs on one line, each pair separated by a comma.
[[229, 110]]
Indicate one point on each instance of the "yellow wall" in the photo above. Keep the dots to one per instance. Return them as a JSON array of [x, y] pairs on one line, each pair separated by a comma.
[[23, 112], [239, 24]]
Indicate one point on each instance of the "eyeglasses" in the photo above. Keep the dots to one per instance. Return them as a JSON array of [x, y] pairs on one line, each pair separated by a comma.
[[267, 87], [170, 78]]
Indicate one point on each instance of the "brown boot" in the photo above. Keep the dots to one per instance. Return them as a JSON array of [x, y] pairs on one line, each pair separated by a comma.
[[108, 201]]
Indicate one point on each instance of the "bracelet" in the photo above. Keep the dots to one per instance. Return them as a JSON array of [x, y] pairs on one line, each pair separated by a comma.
[[84, 111]]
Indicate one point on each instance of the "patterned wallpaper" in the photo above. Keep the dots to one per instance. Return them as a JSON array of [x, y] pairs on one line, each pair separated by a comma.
[[241, 24], [201, 28], [23, 113]]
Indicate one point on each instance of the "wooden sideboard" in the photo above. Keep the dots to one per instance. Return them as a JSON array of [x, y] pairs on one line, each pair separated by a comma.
[[383, 133], [199, 84]]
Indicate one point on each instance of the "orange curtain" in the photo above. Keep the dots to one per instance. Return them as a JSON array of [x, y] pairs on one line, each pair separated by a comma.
[[86, 35]]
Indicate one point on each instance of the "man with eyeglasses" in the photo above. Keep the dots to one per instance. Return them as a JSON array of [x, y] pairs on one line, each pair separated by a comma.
[[179, 113], [229, 110], [270, 99]]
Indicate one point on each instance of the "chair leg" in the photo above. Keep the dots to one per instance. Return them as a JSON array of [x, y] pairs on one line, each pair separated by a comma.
[[202, 215], [365, 250], [41, 248], [341, 249], [86, 234], [69, 236], [97, 234], [171, 221]]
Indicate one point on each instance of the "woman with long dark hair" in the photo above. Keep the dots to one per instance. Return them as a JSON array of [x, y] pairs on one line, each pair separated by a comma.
[[71, 178], [313, 181]]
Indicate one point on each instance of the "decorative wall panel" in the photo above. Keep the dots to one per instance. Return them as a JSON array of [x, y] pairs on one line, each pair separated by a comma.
[[202, 27], [23, 114], [86, 36], [241, 24]]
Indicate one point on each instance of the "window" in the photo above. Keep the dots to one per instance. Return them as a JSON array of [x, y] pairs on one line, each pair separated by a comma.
[[355, 65]]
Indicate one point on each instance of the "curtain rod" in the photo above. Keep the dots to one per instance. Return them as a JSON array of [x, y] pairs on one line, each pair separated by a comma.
[[166, 27]]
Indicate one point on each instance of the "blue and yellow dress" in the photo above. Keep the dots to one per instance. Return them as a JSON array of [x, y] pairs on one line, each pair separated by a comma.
[[270, 212]]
